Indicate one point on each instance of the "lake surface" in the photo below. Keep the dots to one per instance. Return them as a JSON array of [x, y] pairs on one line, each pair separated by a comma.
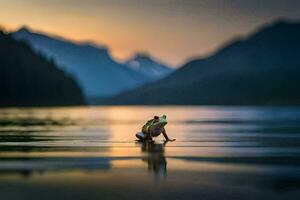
[[91, 153]]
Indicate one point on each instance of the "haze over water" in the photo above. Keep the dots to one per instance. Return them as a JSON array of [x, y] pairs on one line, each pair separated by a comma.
[[91, 153]]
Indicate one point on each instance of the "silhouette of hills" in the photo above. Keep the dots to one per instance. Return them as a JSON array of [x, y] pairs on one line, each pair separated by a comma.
[[91, 65], [27, 79], [147, 66], [262, 68]]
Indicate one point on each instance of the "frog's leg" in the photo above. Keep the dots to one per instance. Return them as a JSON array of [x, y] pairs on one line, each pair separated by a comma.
[[141, 136]]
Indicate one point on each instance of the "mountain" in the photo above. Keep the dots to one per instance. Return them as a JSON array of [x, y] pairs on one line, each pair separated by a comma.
[[144, 64], [27, 79], [262, 68], [91, 65]]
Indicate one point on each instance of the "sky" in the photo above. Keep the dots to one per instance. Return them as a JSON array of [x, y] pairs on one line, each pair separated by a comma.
[[172, 31]]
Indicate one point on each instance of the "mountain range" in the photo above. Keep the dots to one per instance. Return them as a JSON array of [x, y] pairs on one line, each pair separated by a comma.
[[261, 68], [92, 66], [150, 68], [28, 79]]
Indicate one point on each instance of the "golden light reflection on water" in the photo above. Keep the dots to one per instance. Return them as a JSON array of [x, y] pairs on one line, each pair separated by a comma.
[[92, 151], [109, 132]]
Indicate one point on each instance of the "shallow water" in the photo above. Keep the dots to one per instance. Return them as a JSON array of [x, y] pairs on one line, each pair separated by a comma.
[[91, 153]]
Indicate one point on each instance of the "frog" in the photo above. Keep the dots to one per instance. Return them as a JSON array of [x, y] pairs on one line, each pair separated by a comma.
[[154, 128]]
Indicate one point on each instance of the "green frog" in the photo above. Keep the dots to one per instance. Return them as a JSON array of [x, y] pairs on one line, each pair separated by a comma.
[[154, 128]]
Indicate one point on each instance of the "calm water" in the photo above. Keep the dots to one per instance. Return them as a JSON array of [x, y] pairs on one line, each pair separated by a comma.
[[91, 153]]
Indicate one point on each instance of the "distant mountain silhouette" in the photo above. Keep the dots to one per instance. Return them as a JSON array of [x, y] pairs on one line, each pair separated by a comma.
[[27, 79], [144, 64], [98, 74], [262, 68]]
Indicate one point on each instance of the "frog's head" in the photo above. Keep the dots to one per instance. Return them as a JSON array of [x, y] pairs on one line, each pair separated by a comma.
[[162, 121]]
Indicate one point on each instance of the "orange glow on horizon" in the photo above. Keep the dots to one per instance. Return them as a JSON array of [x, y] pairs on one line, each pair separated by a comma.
[[171, 33]]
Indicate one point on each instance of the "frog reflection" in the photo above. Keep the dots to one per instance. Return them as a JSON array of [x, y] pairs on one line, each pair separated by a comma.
[[155, 157]]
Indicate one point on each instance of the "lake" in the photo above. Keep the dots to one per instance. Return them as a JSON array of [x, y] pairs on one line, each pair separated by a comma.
[[91, 153]]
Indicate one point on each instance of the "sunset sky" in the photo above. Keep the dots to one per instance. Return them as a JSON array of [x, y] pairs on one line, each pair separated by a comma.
[[171, 30]]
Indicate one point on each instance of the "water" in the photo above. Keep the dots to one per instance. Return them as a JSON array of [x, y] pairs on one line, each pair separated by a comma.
[[91, 153]]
